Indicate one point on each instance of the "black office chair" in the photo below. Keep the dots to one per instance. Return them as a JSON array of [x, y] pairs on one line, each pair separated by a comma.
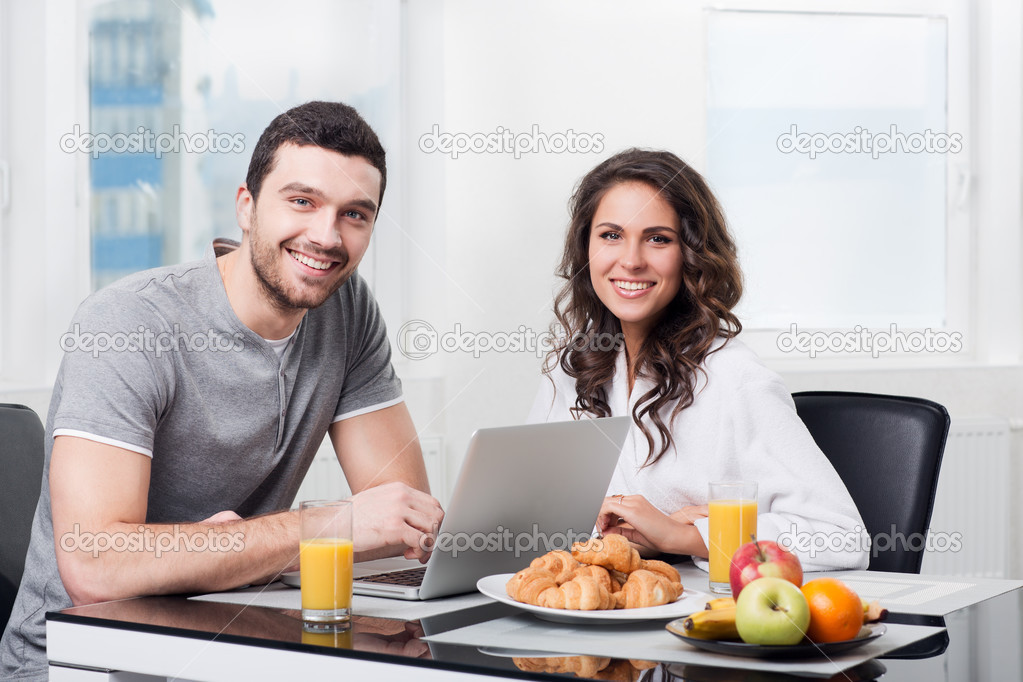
[[887, 450], [21, 451]]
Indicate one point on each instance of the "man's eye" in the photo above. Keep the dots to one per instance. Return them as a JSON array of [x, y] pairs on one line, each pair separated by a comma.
[[301, 202], [355, 214]]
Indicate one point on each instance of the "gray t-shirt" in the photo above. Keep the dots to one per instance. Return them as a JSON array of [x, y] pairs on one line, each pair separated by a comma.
[[170, 370]]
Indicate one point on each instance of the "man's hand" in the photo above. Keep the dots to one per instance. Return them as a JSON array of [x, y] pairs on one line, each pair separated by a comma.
[[405, 642], [395, 515]]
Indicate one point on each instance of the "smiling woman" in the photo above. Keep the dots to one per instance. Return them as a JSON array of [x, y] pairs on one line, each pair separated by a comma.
[[635, 263], [649, 259]]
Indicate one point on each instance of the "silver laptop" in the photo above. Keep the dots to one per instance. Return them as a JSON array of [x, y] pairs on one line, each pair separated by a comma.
[[522, 491]]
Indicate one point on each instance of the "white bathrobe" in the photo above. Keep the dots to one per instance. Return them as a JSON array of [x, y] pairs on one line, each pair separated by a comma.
[[741, 426]]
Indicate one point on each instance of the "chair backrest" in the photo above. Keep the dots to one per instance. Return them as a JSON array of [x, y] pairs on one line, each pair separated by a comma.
[[21, 452], [887, 450]]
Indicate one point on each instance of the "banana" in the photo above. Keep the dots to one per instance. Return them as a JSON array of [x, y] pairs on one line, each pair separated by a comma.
[[712, 624], [721, 603], [872, 611]]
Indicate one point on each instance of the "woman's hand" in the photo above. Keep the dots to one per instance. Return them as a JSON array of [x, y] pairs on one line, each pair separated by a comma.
[[635, 518]]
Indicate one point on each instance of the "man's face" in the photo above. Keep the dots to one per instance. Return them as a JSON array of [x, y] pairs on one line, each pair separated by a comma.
[[311, 225]]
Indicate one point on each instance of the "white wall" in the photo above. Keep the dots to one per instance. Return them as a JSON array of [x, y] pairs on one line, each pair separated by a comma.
[[516, 65], [627, 72]]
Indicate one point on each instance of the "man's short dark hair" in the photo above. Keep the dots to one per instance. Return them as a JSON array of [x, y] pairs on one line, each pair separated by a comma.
[[331, 125]]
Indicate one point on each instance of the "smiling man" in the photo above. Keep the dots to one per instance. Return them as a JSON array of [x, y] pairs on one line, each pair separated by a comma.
[[173, 446]]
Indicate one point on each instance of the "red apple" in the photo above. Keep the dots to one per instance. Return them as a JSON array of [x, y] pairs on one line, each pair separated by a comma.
[[760, 559]]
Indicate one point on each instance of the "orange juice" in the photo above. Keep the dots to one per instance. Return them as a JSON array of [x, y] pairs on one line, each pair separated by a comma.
[[326, 571], [732, 522], [336, 639]]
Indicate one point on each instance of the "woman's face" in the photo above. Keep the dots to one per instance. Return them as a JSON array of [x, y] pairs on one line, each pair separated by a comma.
[[635, 257]]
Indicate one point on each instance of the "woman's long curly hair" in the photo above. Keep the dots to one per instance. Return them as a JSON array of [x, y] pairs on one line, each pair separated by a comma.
[[699, 314]]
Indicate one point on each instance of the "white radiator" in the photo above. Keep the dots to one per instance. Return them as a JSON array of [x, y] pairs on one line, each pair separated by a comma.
[[970, 525]]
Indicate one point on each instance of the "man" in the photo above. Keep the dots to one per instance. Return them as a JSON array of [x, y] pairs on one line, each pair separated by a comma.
[[173, 444]]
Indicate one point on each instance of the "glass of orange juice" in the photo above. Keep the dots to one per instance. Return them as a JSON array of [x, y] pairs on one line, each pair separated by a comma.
[[733, 519], [325, 561], [335, 636]]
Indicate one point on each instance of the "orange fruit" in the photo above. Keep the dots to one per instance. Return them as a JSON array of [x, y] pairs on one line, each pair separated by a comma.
[[836, 612]]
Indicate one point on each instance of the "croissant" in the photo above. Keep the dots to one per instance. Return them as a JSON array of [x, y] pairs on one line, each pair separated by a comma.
[[662, 569], [583, 593], [644, 588], [618, 577], [527, 585], [602, 575], [611, 551], [582, 666], [558, 563], [619, 671]]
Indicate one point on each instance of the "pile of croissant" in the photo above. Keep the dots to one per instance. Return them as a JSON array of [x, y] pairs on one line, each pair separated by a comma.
[[590, 667], [601, 573]]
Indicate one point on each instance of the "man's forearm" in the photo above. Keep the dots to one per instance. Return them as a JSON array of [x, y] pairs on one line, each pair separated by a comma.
[[129, 560]]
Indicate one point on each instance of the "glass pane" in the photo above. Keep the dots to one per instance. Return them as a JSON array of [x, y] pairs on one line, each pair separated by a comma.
[[834, 228], [180, 91]]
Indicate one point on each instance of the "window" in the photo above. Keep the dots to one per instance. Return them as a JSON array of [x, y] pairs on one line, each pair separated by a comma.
[[179, 93], [842, 174]]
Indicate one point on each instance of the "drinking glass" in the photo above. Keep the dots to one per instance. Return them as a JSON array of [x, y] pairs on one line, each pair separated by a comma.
[[733, 520], [325, 561]]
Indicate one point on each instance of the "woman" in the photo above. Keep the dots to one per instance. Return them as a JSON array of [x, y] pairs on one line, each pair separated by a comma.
[[649, 263]]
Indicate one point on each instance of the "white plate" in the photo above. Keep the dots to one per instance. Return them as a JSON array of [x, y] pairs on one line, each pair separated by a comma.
[[691, 601], [516, 653], [291, 579]]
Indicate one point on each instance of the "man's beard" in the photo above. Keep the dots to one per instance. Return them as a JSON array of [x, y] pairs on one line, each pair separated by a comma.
[[266, 263]]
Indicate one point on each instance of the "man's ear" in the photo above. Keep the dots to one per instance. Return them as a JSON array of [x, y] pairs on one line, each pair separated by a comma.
[[244, 205]]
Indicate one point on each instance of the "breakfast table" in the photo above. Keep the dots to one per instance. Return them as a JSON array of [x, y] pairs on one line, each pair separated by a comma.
[[938, 628]]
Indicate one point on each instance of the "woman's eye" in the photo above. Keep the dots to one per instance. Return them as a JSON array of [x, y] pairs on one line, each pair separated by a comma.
[[660, 239], [610, 236]]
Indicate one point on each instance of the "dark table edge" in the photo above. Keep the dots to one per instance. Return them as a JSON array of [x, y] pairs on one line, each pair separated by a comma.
[[60, 617]]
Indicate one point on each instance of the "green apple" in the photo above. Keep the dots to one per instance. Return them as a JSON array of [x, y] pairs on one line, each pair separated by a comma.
[[771, 611]]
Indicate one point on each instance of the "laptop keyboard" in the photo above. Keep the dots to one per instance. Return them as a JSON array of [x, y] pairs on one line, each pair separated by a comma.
[[413, 577]]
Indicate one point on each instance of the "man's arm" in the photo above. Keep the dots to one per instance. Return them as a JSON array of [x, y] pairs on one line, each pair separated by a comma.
[[393, 510], [105, 550]]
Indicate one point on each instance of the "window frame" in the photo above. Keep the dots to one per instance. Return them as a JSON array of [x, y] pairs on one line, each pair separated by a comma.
[[961, 280]]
